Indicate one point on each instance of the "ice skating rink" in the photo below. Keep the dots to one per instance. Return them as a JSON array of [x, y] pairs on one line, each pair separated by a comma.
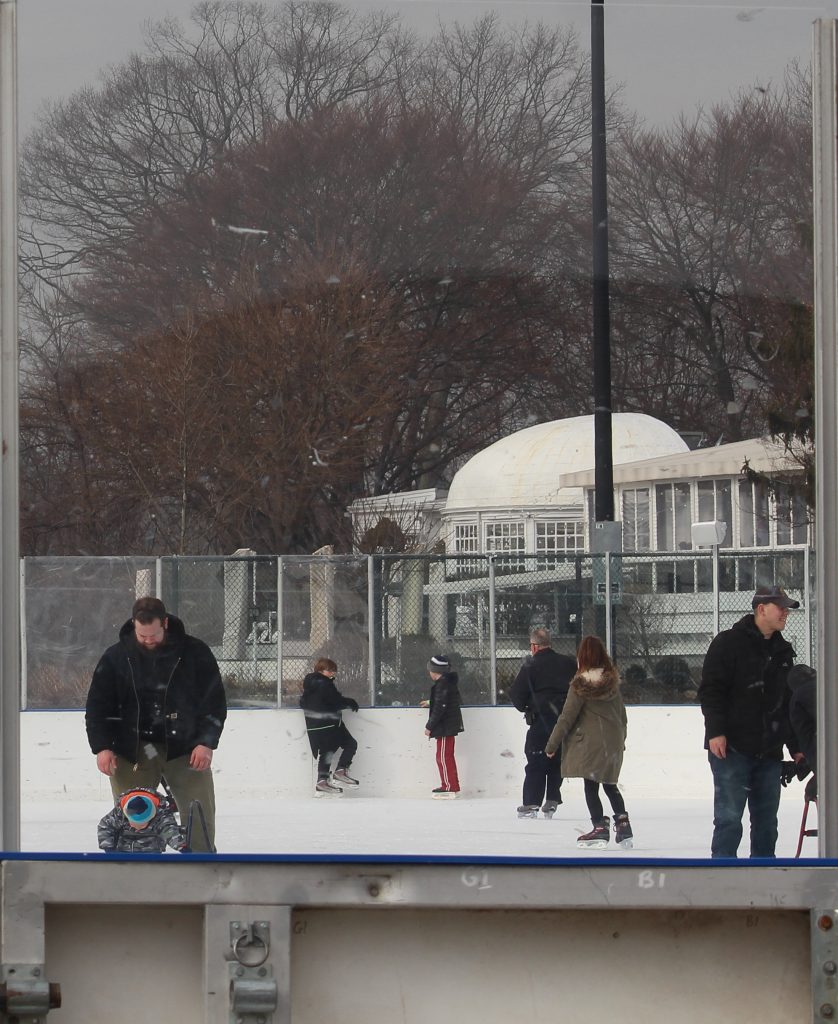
[[264, 788]]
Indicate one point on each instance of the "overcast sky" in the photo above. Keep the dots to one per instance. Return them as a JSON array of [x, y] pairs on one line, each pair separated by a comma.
[[669, 56]]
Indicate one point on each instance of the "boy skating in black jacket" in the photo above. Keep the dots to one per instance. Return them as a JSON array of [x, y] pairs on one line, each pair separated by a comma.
[[323, 703]]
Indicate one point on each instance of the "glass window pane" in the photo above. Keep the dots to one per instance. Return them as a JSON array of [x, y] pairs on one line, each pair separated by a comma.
[[683, 517], [763, 523], [746, 514], [663, 510], [724, 510]]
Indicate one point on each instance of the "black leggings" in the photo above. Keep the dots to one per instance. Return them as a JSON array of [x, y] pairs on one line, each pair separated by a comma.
[[615, 798]]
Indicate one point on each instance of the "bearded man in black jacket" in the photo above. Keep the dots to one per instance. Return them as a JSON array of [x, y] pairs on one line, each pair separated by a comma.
[[156, 706], [744, 697]]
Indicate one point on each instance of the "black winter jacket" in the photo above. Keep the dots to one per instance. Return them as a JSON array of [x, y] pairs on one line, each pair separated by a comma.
[[194, 704], [549, 673], [743, 692], [322, 701], [445, 717]]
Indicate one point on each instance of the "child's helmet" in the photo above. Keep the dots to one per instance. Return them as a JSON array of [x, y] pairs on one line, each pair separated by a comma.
[[139, 805]]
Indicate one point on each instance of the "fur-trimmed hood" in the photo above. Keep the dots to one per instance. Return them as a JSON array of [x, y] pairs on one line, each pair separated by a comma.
[[596, 684]]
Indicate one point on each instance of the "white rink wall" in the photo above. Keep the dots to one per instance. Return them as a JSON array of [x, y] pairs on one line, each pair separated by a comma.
[[265, 754]]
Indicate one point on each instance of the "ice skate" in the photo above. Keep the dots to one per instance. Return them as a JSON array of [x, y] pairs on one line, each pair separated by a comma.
[[325, 787], [528, 811], [597, 838], [623, 834], [343, 777], [550, 807], [443, 794]]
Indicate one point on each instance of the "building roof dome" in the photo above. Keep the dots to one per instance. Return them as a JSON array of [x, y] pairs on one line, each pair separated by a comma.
[[526, 468]]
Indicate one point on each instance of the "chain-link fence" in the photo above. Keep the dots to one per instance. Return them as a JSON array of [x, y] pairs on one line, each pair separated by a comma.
[[380, 617]]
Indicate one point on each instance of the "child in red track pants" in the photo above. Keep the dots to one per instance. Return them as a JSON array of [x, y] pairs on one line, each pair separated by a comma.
[[445, 721]]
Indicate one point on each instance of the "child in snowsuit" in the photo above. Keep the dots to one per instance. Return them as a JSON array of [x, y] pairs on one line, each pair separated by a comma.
[[140, 823], [323, 703], [445, 721], [591, 731]]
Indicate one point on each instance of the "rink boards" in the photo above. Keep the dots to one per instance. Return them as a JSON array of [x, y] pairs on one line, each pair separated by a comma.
[[310, 939]]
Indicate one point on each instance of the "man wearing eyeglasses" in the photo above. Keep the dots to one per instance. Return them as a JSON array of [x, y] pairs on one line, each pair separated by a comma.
[[156, 707]]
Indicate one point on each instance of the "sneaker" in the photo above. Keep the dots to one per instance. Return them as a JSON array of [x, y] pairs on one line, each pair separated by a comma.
[[443, 794], [325, 787], [528, 811], [550, 807], [623, 834], [597, 838], [344, 778]]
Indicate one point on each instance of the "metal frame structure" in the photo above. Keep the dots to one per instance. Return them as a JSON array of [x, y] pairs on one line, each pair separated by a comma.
[[248, 941]]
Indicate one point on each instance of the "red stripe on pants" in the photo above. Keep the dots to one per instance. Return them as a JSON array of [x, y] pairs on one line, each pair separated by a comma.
[[447, 765]]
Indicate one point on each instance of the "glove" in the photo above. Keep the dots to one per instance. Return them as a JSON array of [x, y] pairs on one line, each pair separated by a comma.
[[791, 770], [352, 704]]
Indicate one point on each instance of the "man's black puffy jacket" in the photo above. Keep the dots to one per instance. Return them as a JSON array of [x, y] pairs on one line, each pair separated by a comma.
[[194, 705], [743, 693]]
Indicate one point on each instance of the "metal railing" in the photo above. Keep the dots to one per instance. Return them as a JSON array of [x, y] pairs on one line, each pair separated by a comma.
[[380, 617]]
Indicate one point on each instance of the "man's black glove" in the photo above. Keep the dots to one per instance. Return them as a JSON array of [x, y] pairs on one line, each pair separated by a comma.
[[352, 704], [790, 770]]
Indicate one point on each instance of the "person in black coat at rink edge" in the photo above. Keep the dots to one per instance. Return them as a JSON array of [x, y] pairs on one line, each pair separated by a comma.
[[803, 712], [323, 704], [744, 698], [156, 707], [540, 690], [445, 721]]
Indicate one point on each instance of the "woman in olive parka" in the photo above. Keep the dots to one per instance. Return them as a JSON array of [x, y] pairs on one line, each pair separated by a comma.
[[591, 731]]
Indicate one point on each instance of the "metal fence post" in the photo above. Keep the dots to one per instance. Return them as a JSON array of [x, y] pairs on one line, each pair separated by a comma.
[[812, 653], [608, 605], [24, 698], [716, 594], [372, 626], [493, 641], [279, 627]]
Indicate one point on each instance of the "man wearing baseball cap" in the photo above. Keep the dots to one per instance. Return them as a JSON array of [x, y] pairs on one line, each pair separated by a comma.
[[744, 698]]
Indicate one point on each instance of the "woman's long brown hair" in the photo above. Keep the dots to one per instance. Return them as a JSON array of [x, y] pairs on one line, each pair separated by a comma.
[[592, 654]]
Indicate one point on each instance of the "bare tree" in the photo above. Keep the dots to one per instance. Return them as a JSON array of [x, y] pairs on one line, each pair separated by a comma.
[[711, 259]]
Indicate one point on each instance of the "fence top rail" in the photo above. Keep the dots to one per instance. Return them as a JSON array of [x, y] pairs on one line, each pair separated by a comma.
[[399, 556]]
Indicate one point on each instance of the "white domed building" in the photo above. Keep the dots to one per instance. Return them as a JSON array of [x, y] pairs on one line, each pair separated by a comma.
[[515, 495], [533, 492]]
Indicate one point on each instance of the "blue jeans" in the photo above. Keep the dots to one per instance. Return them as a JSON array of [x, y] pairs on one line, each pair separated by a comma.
[[738, 780]]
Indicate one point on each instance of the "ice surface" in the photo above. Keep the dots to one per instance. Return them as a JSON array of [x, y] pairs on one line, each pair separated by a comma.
[[469, 826]]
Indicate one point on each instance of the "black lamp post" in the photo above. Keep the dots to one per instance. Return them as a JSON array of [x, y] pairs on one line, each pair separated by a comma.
[[603, 455]]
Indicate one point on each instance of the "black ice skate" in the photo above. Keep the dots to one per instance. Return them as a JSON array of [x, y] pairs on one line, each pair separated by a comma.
[[343, 777], [597, 838], [528, 811], [623, 834], [325, 787], [550, 807]]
